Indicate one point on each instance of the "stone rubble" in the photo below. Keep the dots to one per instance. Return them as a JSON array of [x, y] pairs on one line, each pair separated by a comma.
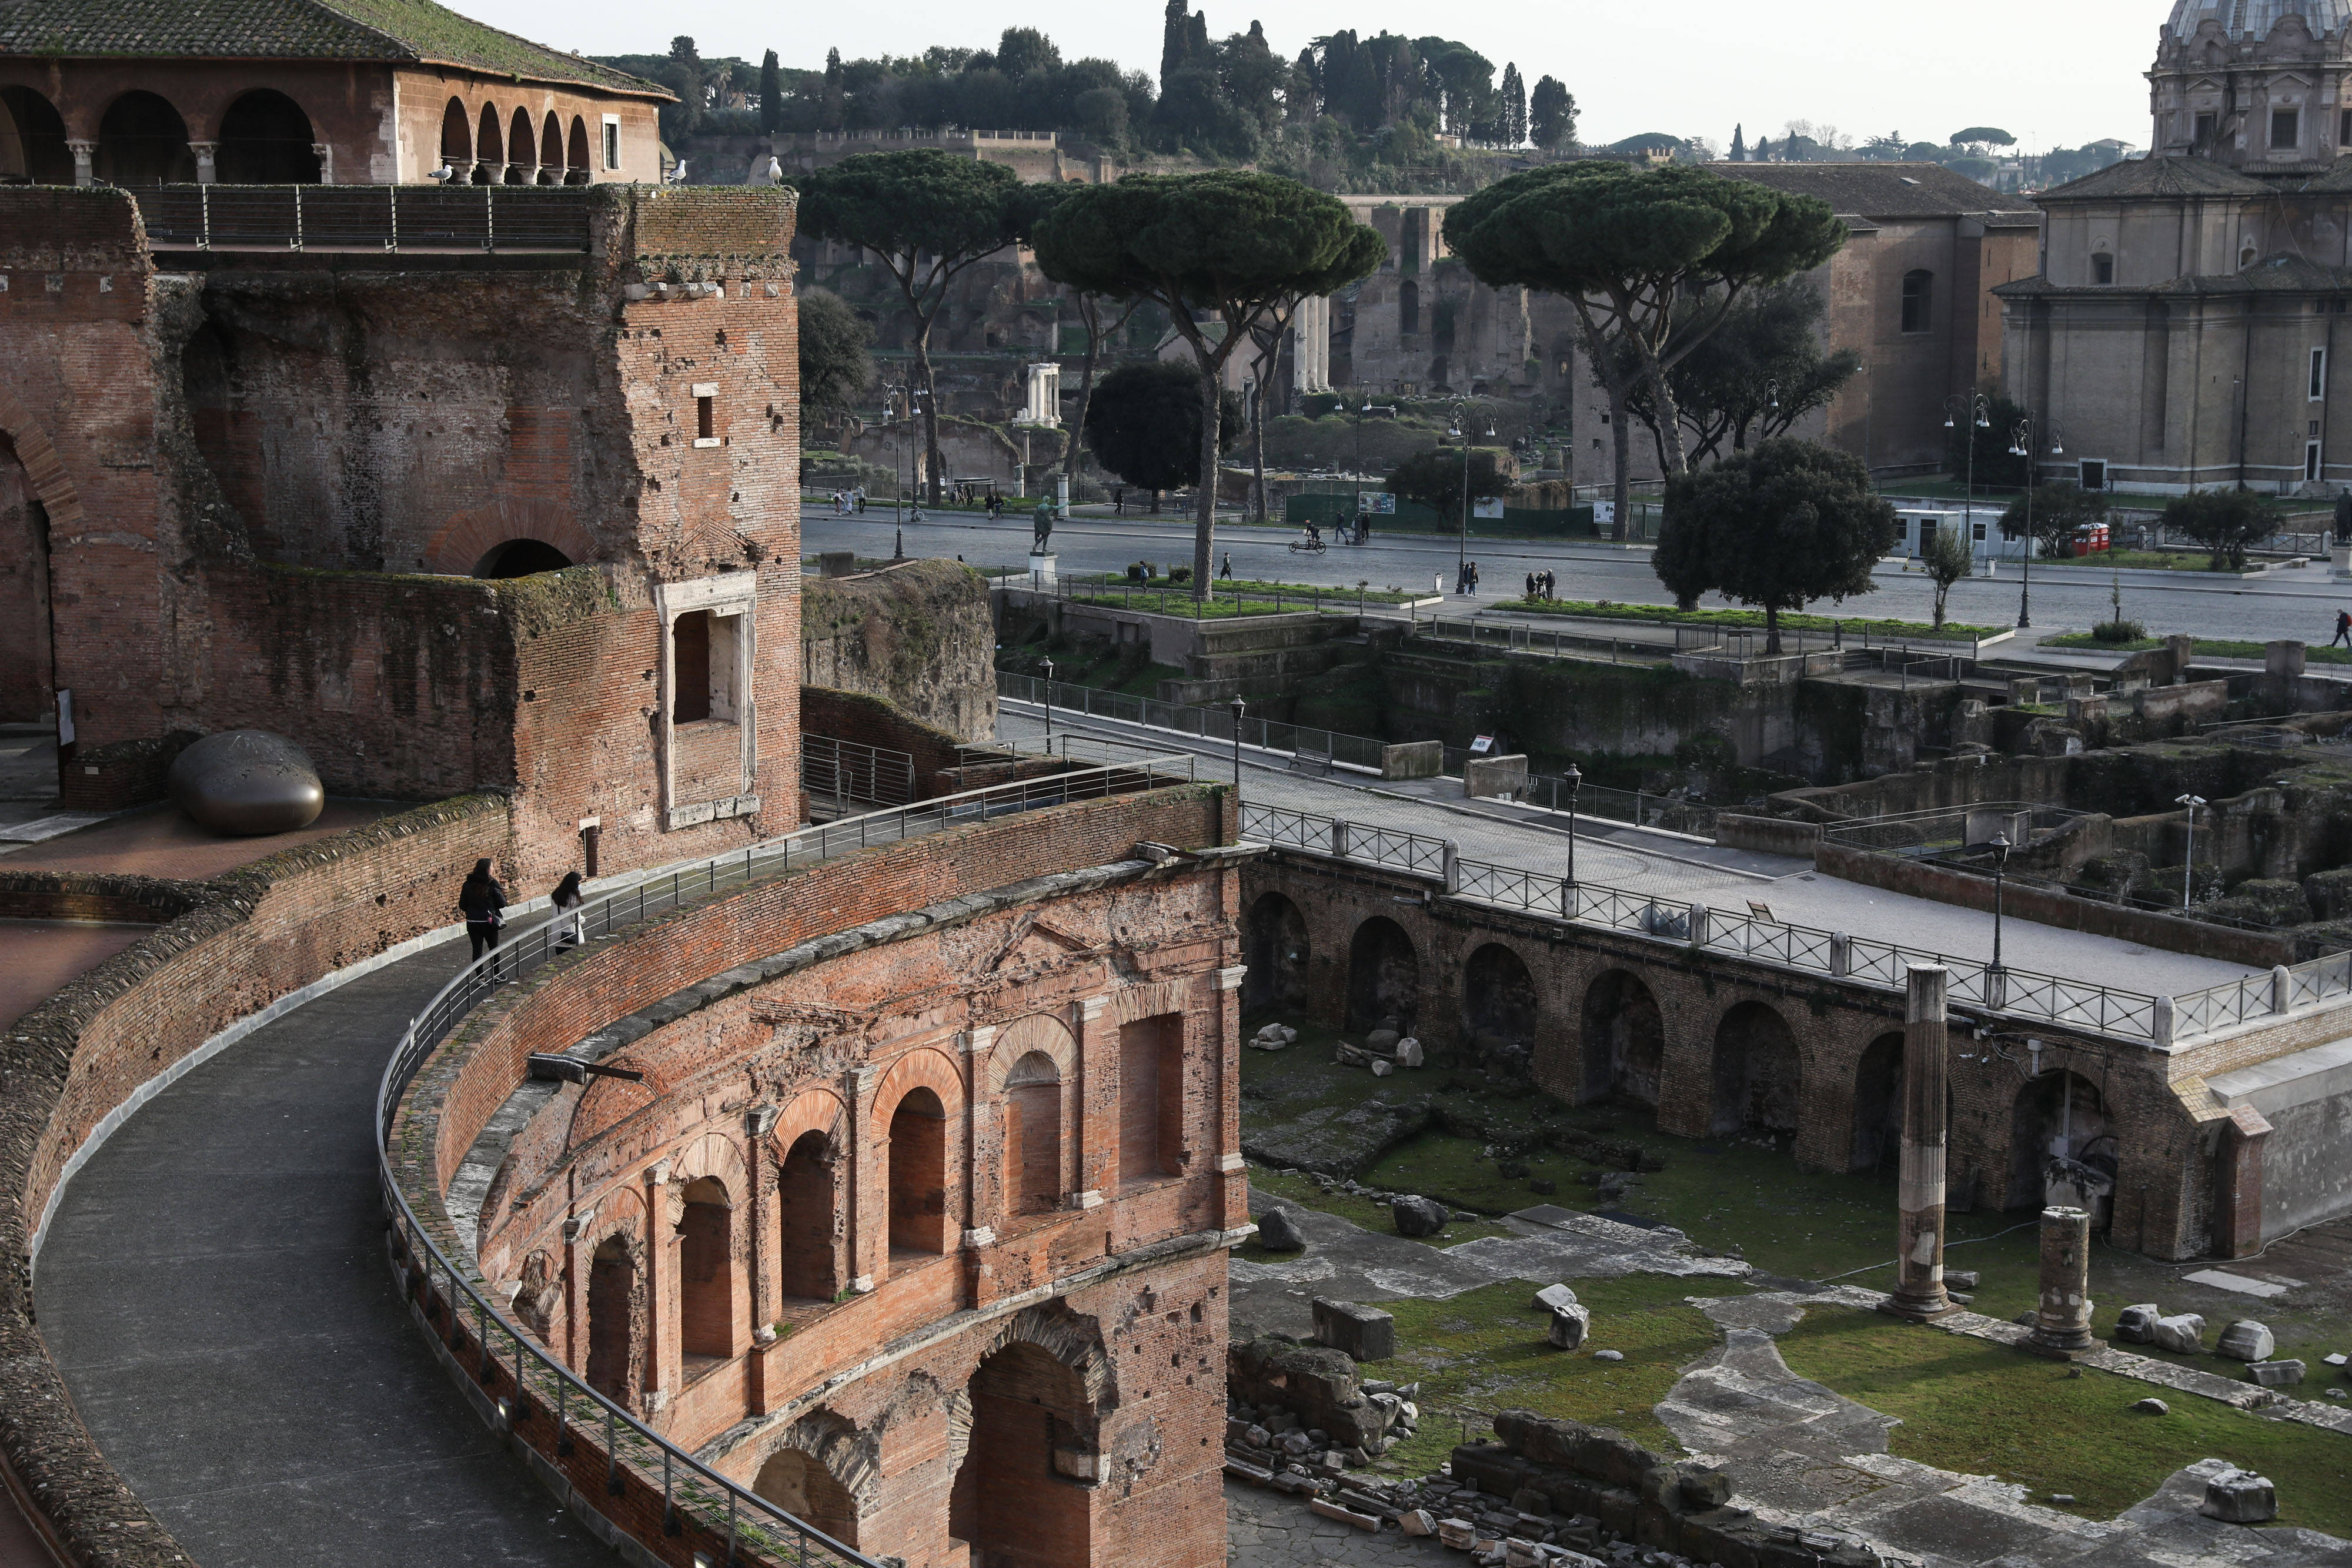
[[2247, 1340]]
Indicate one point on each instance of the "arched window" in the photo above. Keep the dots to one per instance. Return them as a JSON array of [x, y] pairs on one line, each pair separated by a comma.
[[40, 152], [805, 1210], [918, 1173], [575, 154], [1408, 306], [612, 1318], [1150, 1098], [265, 140], [1032, 1135], [551, 151], [143, 140], [1918, 301], [800, 1485], [522, 155], [489, 155], [1010, 1502], [456, 138], [706, 1271]]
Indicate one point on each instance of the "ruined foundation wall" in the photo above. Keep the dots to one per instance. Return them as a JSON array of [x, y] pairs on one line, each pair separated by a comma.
[[918, 635]]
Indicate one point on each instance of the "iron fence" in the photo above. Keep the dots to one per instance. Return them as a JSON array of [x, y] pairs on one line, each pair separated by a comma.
[[848, 772], [1672, 810], [1212, 722], [688, 1487], [468, 218]]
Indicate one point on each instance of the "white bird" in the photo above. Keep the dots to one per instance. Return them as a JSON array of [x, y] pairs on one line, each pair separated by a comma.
[[775, 173], [443, 172]]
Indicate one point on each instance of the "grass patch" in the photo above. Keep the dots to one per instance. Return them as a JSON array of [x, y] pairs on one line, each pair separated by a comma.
[[1976, 1407], [1606, 610], [1305, 1192], [1484, 1351], [1157, 596], [2084, 640]]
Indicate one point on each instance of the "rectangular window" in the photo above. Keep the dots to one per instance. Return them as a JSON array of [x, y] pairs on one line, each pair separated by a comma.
[[2311, 462], [612, 141], [1150, 1098], [2095, 474], [706, 412], [1980, 533], [2102, 269], [1918, 301], [2286, 129], [2206, 126], [690, 643], [2318, 374], [2344, 129], [1926, 535]]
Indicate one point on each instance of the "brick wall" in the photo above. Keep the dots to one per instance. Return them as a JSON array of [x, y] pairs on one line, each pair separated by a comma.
[[867, 720], [246, 939], [920, 634]]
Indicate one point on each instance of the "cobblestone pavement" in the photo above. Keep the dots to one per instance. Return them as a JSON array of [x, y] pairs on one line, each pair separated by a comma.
[[1668, 868]]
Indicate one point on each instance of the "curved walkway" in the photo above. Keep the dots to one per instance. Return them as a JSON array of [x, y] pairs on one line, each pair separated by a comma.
[[214, 1290]]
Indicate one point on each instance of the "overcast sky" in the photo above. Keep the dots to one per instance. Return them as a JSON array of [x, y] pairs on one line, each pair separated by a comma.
[[2054, 72]]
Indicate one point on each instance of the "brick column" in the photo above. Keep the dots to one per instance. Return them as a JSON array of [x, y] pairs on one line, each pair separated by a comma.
[[759, 1245], [1224, 1139], [2238, 1195], [984, 1157], [574, 1349], [1098, 1128], [1920, 1230], [2062, 1321], [870, 1192], [665, 1365]]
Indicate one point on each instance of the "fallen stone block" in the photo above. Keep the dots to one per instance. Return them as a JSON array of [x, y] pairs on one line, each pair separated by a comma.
[[1365, 1334], [1242, 1470], [1552, 1298], [1961, 1278], [2275, 1374], [2246, 1340], [1527, 1501], [1519, 1554], [2239, 1497], [1415, 1216], [1277, 1232], [1456, 1533], [1408, 1052], [2152, 1406], [1569, 1327], [2136, 1325], [1416, 1521], [1344, 1515], [1608, 1355], [2183, 1332], [1381, 1068]]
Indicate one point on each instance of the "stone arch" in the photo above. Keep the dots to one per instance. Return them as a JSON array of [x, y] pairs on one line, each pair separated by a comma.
[[41, 154], [1383, 975], [457, 138], [489, 148], [266, 139], [1878, 1104], [520, 558], [1035, 1032], [1759, 1079], [522, 148], [1275, 948], [823, 1472], [712, 1154], [577, 169], [1623, 1038], [53, 486], [1015, 1500], [2056, 1114], [1499, 997], [1071, 1339], [469, 538], [916, 1101], [143, 140], [923, 1068], [551, 150], [611, 1344]]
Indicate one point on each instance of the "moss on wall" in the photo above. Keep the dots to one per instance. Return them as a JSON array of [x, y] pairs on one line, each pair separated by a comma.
[[919, 634]]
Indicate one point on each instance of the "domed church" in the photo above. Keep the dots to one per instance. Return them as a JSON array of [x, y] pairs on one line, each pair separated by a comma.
[[2183, 332]]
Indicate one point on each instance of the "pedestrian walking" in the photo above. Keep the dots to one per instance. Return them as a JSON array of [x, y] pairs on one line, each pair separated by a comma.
[[567, 898], [483, 902], [1473, 576], [861, 500], [1225, 571], [2343, 629], [1550, 584]]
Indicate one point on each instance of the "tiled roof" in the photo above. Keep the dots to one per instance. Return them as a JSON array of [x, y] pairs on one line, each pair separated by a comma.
[[2157, 177], [1883, 190], [393, 31]]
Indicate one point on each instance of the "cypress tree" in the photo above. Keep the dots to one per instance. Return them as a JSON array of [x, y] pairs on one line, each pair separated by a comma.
[[771, 94]]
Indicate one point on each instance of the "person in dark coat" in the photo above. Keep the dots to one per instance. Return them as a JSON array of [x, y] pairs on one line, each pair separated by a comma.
[[567, 898], [483, 902]]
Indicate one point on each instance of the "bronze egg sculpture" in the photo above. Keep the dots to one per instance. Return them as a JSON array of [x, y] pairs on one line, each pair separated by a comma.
[[243, 782]]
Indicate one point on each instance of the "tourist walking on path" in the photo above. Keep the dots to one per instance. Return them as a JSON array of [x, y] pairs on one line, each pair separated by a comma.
[[1226, 571], [567, 898], [483, 902], [2343, 629]]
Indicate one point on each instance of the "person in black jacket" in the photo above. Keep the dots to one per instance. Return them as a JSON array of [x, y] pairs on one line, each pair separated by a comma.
[[566, 900], [483, 902]]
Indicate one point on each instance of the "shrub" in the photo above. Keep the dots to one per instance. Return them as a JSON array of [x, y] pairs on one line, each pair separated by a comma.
[[1180, 574], [2119, 632]]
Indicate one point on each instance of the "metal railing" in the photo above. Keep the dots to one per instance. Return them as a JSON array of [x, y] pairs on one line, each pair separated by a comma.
[[1673, 812], [1943, 829], [1214, 722], [848, 771], [468, 218], [2097, 1008], [520, 1364], [1278, 598]]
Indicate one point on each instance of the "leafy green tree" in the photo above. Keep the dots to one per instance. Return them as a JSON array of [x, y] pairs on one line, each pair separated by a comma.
[[1102, 316], [1435, 478], [1625, 246], [1221, 252], [771, 95], [927, 216], [835, 369], [832, 111], [1949, 557], [1983, 136], [1144, 423], [1756, 376], [1778, 528], [2224, 521], [682, 73], [1512, 123], [1551, 115], [2058, 512]]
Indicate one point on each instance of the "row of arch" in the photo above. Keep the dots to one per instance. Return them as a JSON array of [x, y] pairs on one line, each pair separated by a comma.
[[495, 149], [1756, 1073], [1032, 1084], [265, 138]]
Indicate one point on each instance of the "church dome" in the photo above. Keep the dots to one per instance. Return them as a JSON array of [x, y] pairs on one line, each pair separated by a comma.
[[2239, 17]]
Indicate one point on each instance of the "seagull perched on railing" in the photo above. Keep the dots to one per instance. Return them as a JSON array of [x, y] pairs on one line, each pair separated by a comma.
[[443, 172]]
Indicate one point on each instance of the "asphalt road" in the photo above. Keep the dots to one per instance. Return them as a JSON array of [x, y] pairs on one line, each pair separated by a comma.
[[2292, 603]]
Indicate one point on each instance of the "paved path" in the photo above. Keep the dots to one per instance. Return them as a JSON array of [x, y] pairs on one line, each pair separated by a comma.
[[1657, 867], [214, 1289]]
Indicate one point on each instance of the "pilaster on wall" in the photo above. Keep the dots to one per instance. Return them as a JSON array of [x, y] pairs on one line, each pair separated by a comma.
[[1223, 1141], [1097, 1165], [665, 1362], [868, 1153]]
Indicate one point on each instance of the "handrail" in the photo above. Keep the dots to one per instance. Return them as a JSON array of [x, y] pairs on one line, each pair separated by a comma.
[[2103, 1009], [686, 1482]]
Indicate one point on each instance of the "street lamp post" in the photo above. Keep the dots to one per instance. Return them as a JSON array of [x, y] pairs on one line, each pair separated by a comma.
[[1238, 706], [2022, 445], [1574, 779], [1460, 430], [2001, 846], [1978, 407], [1049, 705], [2188, 856]]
